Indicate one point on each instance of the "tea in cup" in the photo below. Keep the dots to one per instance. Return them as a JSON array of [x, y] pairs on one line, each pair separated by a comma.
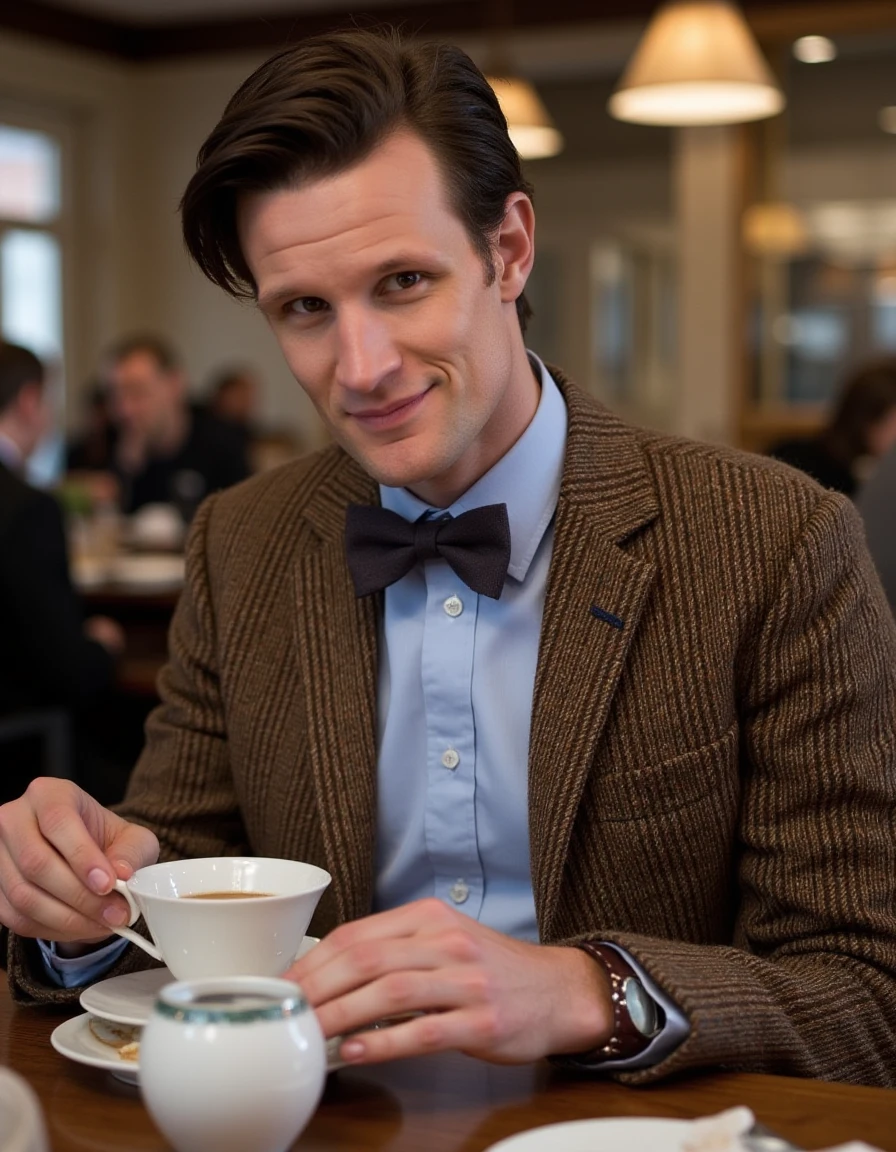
[[223, 916]]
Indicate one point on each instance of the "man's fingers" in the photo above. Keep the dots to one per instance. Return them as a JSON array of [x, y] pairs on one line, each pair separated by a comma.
[[72, 913], [54, 872], [60, 815], [130, 846], [466, 1030]]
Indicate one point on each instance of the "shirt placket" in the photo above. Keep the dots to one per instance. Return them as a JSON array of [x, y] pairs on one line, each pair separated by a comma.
[[447, 669]]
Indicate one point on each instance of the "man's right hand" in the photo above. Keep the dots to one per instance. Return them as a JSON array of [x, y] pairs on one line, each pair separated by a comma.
[[60, 855]]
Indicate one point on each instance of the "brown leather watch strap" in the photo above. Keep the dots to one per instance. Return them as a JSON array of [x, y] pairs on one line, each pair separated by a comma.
[[627, 1040]]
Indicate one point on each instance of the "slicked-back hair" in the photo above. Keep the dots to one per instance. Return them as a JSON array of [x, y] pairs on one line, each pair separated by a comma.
[[324, 105], [18, 367]]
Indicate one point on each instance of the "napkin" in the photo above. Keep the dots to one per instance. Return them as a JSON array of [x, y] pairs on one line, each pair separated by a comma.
[[722, 1132]]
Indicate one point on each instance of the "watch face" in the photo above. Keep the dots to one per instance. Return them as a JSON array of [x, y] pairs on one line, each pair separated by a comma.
[[641, 1007]]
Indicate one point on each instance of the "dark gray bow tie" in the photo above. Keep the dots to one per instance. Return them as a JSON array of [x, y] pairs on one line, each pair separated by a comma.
[[381, 546]]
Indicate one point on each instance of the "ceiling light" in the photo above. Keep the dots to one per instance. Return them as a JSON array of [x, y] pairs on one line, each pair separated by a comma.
[[814, 49], [887, 118], [775, 229], [529, 124], [697, 63]]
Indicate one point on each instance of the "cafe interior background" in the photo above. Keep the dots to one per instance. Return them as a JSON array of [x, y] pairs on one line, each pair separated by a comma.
[[715, 281]]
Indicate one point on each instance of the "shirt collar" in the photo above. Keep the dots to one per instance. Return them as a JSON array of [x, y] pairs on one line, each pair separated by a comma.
[[526, 479], [10, 455]]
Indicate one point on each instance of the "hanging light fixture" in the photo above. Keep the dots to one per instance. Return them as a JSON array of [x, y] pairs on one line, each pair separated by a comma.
[[697, 63], [529, 124]]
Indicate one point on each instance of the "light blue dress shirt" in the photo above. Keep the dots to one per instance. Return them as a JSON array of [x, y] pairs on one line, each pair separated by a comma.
[[455, 686], [456, 677]]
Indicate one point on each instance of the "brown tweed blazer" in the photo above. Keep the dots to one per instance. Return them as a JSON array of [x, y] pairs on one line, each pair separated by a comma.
[[712, 783]]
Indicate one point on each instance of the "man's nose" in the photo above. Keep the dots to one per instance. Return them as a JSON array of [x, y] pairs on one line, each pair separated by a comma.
[[366, 351]]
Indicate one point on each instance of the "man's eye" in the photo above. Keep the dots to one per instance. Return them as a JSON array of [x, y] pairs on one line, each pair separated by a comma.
[[403, 280], [306, 305]]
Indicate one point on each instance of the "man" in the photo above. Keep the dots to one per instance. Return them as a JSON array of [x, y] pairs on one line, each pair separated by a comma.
[[51, 657], [165, 452], [647, 775]]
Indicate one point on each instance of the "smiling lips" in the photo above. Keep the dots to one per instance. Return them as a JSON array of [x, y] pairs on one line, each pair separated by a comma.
[[391, 414]]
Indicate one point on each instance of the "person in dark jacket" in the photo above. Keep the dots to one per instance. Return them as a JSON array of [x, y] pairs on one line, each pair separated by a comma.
[[52, 657], [166, 451], [861, 429]]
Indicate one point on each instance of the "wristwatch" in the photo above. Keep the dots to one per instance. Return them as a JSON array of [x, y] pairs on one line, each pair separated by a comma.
[[637, 1017]]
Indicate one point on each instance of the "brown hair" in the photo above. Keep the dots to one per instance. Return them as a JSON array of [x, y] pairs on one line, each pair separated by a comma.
[[161, 351], [18, 367], [867, 396], [317, 108]]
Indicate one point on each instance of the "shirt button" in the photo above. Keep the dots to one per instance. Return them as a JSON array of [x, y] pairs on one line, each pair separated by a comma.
[[459, 892], [453, 606], [450, 759]]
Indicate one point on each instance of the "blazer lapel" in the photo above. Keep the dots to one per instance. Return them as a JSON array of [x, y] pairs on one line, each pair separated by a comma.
[[595, 595], [336, 637]]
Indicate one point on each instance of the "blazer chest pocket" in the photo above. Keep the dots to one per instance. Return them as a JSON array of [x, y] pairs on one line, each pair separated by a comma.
[[661, 789]]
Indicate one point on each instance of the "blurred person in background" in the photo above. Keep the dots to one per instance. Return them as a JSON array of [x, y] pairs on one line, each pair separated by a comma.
[[166, 452], [51, 656], [93, 448], [861, 429], [233, 399], [875, 501]]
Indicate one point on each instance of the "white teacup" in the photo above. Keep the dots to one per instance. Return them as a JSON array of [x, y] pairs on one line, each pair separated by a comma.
[[223, 916]]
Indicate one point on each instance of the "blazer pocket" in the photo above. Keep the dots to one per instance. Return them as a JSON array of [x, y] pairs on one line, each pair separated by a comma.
[[659, 789]]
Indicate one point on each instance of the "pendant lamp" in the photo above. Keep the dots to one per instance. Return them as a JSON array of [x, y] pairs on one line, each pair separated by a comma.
[[697, 63]]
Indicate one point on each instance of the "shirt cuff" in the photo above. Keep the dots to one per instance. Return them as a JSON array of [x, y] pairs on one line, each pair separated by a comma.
[[674, 1031], [71, 972]]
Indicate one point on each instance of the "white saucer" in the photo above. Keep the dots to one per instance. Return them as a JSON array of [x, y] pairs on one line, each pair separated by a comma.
[[626, 1134], [74, 1040], [148, 571], [129, 999]]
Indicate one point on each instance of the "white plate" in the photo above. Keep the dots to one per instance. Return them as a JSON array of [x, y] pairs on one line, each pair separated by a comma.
[[129, 999], [75, 1040], [147, 571], [626, 1134]]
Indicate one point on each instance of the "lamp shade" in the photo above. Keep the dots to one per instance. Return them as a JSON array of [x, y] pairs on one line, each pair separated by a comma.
[[529, 125], [776, 230], [697, 63]]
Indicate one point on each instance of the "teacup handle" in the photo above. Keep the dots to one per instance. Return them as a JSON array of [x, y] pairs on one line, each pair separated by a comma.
[[128, 933]]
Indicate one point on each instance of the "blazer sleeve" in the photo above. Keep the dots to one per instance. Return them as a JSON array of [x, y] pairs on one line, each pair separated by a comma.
[[57, 664], [808, 985]]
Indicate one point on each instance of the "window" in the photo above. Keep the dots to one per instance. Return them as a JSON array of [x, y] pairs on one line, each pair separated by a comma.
[[31, 261]]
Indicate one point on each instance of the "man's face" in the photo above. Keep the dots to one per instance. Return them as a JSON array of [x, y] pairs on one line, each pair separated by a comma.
[[145, 398], [382, 308]]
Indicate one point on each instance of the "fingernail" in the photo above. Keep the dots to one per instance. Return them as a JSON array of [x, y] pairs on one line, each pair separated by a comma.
[[352, 1050], [99, 881], [115, 916]]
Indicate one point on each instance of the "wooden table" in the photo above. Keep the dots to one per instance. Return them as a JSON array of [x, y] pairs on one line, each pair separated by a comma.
[[440, 1103]]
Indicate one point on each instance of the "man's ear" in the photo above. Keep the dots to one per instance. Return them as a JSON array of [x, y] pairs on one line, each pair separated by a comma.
[[515, 246]]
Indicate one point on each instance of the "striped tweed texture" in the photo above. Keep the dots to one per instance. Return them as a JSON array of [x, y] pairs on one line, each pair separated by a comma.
[[712, 782]]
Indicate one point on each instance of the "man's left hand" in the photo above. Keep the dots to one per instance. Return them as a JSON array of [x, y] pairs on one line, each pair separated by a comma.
[[464, 986]]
